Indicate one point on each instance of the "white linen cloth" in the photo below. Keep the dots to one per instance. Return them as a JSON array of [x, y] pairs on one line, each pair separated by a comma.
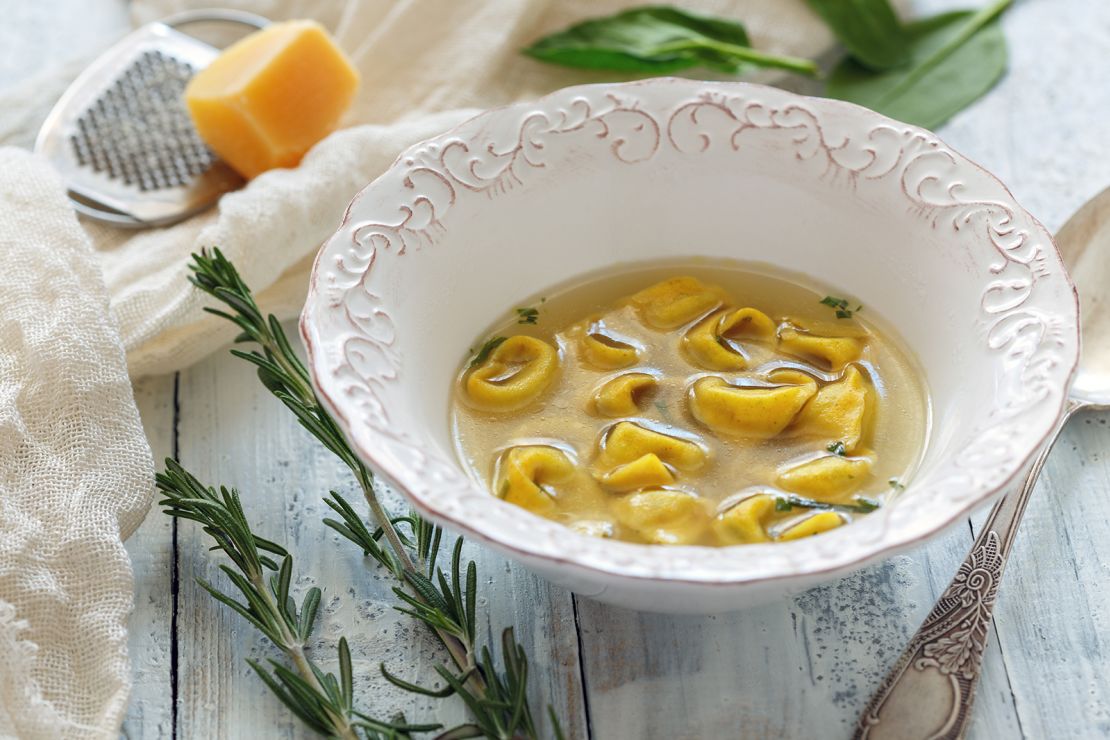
[[75, 469]]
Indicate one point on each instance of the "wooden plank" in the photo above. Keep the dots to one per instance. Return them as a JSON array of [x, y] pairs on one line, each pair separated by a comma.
[[150, 714], [232, 431], [1053, 614]]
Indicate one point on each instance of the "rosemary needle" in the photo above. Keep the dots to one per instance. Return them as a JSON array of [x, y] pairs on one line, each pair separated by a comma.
[[319, 699]]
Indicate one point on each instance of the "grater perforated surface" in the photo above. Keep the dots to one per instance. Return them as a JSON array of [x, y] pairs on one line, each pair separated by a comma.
[[139, 130]]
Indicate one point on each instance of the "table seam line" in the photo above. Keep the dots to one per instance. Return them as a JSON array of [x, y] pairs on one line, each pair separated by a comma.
[[582, 668], [175, 575]]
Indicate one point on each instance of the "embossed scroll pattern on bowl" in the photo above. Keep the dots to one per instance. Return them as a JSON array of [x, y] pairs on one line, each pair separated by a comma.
[[350, 334]]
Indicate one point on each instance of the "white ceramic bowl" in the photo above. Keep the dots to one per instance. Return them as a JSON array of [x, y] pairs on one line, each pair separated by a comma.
[[472, 222]]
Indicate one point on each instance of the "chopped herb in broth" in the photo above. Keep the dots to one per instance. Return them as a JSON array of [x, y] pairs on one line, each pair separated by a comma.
[[717, 406], [485, 350], [527, 315]]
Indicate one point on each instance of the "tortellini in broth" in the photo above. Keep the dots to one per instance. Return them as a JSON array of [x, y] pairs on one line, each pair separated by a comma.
[[512, 375], [607, 351], [752, 411], [716, 343], [623, 395], [734, 409]]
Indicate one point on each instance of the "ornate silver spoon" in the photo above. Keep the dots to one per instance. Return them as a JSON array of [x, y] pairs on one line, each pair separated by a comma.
[[928, 693]]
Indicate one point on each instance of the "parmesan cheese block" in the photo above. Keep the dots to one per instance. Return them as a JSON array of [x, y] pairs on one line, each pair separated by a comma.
[[268, 98]]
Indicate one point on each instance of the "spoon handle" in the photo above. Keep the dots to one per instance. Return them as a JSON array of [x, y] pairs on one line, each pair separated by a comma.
[[929, 691]]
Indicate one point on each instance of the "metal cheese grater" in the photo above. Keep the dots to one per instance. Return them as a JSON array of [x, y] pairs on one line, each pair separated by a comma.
[[122, 138]]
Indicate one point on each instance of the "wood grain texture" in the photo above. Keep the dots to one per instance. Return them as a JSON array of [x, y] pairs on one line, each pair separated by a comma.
[[149, 644]]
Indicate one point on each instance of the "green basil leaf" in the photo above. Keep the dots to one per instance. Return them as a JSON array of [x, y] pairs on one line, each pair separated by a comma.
[[868, 29], [955, 58], [659, 40]]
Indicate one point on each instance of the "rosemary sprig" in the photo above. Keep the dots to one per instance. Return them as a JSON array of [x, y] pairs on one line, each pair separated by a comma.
[[496, 698], [322, 701]]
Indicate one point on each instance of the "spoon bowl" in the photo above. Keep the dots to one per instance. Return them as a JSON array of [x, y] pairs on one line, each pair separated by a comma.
[[1084, 243]]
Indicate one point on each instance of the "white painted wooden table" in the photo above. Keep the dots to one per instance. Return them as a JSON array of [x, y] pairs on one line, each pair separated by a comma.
[[800, 669]]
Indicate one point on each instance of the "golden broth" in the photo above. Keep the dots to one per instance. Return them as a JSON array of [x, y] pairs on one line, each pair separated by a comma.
[[675, 418]]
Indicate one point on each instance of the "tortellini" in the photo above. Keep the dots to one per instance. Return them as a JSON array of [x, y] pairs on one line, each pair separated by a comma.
[[833, 352], [633, 457], [714, 343], [839, 411], [643, 472], [528, 474], [622, 395], [684, 414], [811, 525], [663, 516], [675, 302], [745, 523], [827, 477], [748, 522], [514, 374], [604, 350], [755, 411], [627, 441]]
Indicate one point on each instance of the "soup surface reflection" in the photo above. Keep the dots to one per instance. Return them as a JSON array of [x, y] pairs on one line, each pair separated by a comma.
[[707, 405]]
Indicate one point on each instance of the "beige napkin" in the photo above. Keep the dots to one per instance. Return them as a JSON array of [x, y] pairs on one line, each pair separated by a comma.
[[74, 467]]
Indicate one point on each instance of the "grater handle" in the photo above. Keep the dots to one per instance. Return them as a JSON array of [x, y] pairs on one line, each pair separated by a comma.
[[215, 15]]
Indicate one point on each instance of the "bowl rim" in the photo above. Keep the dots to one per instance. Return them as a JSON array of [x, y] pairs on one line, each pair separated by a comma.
[[707, 576]]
